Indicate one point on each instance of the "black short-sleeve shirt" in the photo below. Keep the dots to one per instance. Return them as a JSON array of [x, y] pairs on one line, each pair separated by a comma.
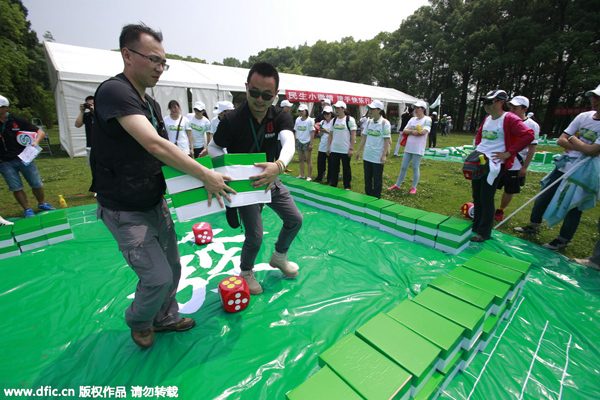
[[10, 148], [235, 132]]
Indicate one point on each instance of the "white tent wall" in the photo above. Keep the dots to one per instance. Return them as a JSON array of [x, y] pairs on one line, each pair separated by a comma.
[[75, 72]]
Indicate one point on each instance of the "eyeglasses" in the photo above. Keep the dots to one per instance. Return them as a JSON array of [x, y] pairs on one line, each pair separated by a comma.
[[326, 113], [155, 61], [256, 94]]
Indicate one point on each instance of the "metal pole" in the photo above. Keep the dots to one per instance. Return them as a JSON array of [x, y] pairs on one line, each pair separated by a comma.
[[567, 174]]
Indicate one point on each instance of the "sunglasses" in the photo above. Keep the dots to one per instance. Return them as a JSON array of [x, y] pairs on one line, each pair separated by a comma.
[[326, 113], [256, 94], [489, 102]]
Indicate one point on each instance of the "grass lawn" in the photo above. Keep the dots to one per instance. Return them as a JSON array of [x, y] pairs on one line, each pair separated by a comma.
[[442, 189]]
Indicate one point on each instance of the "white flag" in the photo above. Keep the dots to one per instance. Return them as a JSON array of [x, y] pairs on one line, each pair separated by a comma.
[[437, 102]]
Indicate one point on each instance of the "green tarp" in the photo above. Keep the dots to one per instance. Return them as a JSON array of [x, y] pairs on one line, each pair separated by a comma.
[[63, 311]]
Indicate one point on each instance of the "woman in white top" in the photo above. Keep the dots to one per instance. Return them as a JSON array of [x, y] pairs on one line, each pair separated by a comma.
[[304, 130], [376, 139], [417, 130], [179, 129], [325, 130], [200, 125]]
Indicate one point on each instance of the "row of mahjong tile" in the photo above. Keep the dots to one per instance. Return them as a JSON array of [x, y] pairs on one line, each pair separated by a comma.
[[444, 233], [190, 198], [541, 157], [416, 349], [32, 233]]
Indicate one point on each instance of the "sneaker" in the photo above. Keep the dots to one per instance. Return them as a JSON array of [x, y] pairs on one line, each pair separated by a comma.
[[29, 213], [300, 177], [527, 229], [5, 222], [412, 191], [184, 325], [253, 284], [45, 207], [586, 262], [143, 338], [280, 261], [394, 187], [556, 244], [308, 178], [477, 238], [499, 215]]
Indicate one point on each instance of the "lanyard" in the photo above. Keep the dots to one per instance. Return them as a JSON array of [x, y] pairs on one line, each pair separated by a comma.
[[153, 118], [258, 148]]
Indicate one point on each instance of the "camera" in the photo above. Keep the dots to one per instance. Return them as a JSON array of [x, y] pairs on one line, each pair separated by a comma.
[[87, 105]]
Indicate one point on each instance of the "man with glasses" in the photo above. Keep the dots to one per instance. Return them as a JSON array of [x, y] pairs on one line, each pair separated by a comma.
[[258, 127], [130, 146]]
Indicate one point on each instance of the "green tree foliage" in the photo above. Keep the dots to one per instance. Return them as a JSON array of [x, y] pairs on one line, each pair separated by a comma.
[[547, 50], [24, 78]]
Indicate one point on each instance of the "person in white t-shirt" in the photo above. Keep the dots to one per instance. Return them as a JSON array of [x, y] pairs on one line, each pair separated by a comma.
[[501, 136], [581, 137], [179, 129], [221, 108], [304, 131], [200, 129], [325, 131], [376, 140], [340, 146], [514, 178], [417, 129]]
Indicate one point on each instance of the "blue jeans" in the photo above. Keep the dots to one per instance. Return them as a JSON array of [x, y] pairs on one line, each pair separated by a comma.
[[10, 171], [416, 165]]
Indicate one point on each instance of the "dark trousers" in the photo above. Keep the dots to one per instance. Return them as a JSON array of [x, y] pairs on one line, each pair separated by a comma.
[[321, 165], [373, 178], [572, 219], [334, 169], [285, 207], [483, 200], [432, 138]]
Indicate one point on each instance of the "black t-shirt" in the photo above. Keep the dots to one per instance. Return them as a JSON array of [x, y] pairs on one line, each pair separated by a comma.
[[125, 175], [404, 118], [235, 132], [10, 148]]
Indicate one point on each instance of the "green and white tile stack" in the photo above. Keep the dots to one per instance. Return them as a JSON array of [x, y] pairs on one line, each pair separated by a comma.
[[417, 348], [56, 226], [8, 246], [453, 235], [29, 234], [241, 167]]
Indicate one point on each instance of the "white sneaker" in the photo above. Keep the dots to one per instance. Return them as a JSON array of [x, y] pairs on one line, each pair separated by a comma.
[[300, 177], [279, 261], [586, 262], [308, 179], [5, 222], [253, 284]]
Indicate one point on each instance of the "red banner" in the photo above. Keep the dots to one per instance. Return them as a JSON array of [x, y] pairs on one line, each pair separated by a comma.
[[316, 97], [570, 110]]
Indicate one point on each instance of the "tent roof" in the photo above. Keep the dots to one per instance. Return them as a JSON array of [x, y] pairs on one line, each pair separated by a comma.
[[83, 64]]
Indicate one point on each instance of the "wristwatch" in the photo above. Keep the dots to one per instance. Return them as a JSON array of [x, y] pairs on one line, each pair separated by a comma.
[[569, 139]]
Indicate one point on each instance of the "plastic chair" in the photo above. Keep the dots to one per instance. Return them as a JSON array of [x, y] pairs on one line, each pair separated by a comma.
[[40, 125]]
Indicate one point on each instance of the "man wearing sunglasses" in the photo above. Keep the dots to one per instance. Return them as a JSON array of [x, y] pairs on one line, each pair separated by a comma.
[[258, 127], [130, 146]]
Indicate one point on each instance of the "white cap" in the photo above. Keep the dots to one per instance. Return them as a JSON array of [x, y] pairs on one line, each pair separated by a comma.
[[519, 101], [3, 101], [495, 94], [287, 103], [529, 114], [199, 106], [434, 113], [595, 91], [302, 107], [376, 104], [420, 104], [326, 101], [223, 106], [327, 109], [340, 104]]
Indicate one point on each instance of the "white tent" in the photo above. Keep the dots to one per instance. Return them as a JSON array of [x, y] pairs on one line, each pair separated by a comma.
[[75, 73]]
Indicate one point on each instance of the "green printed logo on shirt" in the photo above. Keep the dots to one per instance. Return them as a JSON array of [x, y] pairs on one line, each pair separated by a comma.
[[588, 134], [302, 128], [489, 135], [198, 128]]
